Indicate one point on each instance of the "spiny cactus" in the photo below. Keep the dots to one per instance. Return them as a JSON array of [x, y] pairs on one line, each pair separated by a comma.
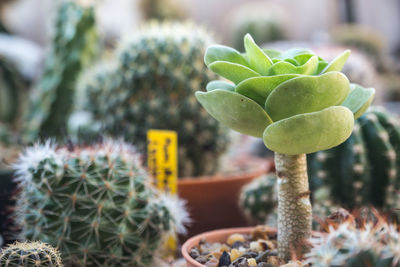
[[30, 254], [373, 244], [72, 48], [366, 168], [158, 70], [95, 204]]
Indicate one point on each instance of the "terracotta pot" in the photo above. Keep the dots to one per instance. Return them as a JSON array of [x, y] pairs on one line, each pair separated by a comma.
[[213, 201], [211, 237]]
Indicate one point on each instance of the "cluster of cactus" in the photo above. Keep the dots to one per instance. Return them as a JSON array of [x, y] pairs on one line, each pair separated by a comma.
[[265, 23], [30, 254], [151, 86], [73, 47], [374, 243], [366, 168], [96, 204]]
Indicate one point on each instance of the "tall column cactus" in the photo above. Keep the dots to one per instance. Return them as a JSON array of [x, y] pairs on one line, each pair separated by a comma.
[[298, 103]]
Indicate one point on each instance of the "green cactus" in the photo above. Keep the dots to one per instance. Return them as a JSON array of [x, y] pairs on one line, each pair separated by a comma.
[[373, 244], [366, 168], [73, 48], [30, 254], [95, 204], [152, 87], [265, 23], [297, 103]]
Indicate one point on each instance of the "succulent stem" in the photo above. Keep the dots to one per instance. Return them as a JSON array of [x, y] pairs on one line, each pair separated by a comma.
[[294, 206]]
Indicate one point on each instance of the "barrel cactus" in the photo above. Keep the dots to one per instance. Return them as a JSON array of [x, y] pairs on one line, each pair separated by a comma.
[[373, 244], [72, 49], [30, 254], [152, 87], [366, 168], [297, 103], [96, 204]]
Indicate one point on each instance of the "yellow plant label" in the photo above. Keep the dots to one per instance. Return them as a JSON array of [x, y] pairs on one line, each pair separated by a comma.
[[162, 159]]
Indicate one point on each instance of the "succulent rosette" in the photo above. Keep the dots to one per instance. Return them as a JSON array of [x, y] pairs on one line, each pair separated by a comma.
[[295, 100]]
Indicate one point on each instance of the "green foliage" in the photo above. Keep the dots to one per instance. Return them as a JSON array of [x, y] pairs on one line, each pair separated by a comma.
[[30, 254], [366, 168], [373, 244], [95, 204], [73, 47], [11, 93], [151, 85], [296, 101]]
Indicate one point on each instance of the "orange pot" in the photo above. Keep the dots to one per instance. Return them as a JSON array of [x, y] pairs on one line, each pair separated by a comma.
[[212, 237], [213, 201]]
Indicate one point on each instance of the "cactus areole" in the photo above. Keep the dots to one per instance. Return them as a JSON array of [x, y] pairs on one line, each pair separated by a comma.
[[298, 103]]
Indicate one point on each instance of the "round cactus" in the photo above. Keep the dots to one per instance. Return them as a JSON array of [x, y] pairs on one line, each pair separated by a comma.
[[366, 168], [158, 70], [373, 244], [259, 198], [30, 254], [95, 204]]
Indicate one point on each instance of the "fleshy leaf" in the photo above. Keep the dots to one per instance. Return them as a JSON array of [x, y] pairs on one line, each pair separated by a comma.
[[258, 60], [220, 85], [223, 53], [232, 71], [235, 111], [258, 88], [310, 132], [337, 63], [307, 94], [359, 99], [293, 53], [283, 67]]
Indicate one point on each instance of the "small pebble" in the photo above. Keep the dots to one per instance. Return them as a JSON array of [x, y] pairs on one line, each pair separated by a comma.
[[194, 253], [252, 262], [234, 254], [224, 260], [293, 264], [237, 244], [263, 256], [234, 238], [264, 264], [212, 263]]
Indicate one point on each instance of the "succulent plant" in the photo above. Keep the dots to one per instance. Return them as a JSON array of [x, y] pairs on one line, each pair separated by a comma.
[[73, 48], [366, 168], [297, 103], [373, 244], [152, 87], [96, 204], [30, 254]]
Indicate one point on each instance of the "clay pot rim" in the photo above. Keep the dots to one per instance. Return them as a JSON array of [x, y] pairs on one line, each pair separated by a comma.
[[264, 166], [193, 241]]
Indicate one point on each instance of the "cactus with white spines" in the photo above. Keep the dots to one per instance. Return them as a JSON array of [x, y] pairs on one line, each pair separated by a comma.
[[30, 254], [151, 85], [374, 244], [366, 168], [95, 204]]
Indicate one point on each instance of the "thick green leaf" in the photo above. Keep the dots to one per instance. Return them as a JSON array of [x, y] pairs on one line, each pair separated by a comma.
[[295, 52], [232, 71], [258, 60], [220, 85], [307, 94], [359, 99], [311, 132], [235, 111], [258, 88], [223, 53], [283, 67], [337, 63]]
